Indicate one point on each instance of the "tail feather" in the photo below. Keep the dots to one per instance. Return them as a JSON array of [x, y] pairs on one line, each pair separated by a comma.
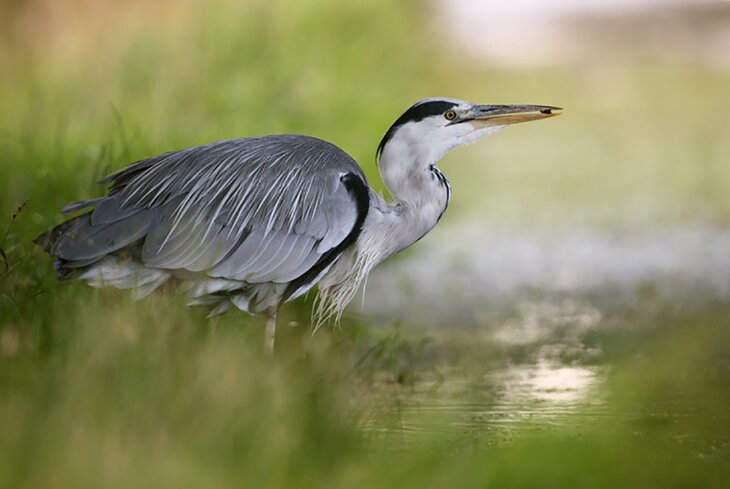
[[48, 239], [78, 243]]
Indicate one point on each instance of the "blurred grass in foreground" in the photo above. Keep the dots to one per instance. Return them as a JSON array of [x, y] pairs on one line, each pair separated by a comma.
[[148, 394], [97, 390]]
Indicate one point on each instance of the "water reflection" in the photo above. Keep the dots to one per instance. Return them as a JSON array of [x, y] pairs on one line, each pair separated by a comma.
[[548, 383], [554, 311], [538, 322], [542, 395]]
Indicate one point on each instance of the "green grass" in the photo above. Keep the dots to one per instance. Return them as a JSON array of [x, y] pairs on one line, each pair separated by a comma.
[[97, 390]]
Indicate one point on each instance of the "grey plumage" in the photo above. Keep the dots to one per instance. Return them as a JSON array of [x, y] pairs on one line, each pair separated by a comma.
[[255, 210], [255, 222]]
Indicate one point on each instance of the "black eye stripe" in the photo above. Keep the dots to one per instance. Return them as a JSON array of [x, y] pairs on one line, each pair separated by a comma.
[[416, 113], [419, 112]]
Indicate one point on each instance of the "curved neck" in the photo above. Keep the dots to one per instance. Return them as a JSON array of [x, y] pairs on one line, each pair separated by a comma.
[[406, 171], [421, 194]]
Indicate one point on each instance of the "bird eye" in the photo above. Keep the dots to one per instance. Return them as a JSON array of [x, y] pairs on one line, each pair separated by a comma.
[[450, 115]]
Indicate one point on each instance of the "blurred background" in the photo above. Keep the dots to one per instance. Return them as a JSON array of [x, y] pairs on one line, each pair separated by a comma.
[[566, 324]]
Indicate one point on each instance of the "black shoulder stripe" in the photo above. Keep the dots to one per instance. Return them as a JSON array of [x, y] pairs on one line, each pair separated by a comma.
[[359, 193]]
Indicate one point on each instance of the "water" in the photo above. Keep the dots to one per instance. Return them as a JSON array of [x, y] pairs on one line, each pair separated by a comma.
[[549, 400], [560, 318], [465, 273], [545, 394]]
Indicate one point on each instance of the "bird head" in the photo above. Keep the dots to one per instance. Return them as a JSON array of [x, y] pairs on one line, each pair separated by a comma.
[[431, 127]]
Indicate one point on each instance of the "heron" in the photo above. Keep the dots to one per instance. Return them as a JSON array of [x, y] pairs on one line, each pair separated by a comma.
[[254, 222]]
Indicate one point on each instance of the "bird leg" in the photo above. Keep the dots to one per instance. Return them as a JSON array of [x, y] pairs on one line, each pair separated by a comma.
[[270, 333]]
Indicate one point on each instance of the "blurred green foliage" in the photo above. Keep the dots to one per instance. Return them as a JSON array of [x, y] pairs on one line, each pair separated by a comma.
[[100, 391]]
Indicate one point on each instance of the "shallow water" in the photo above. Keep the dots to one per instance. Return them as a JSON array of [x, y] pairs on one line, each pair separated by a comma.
[[463, 273], [550, 400], [566, 315], [544, 396]]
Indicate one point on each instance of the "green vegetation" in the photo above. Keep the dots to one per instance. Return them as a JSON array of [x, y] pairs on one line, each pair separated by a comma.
[[97, 390]]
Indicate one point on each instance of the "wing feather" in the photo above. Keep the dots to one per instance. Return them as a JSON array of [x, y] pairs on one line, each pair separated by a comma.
[[251, 209], [265, 271], [290, 266]]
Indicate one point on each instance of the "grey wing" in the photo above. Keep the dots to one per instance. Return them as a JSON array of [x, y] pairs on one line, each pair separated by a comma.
[[270, 209]]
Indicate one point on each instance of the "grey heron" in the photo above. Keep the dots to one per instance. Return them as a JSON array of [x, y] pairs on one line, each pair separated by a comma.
[[255, 222]]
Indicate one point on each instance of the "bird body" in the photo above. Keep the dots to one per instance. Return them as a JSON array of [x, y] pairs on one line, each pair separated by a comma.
[[256, 222]]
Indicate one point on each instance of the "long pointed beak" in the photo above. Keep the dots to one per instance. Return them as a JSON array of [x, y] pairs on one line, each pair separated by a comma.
[[502, 115]]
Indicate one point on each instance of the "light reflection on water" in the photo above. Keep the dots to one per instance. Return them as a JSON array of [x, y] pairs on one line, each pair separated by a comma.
[[542, 296], [544, 395], [546, 383]]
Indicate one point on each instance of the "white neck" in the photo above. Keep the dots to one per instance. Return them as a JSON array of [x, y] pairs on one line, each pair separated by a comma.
[[420, 196], [420, 193], [405, 168]]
